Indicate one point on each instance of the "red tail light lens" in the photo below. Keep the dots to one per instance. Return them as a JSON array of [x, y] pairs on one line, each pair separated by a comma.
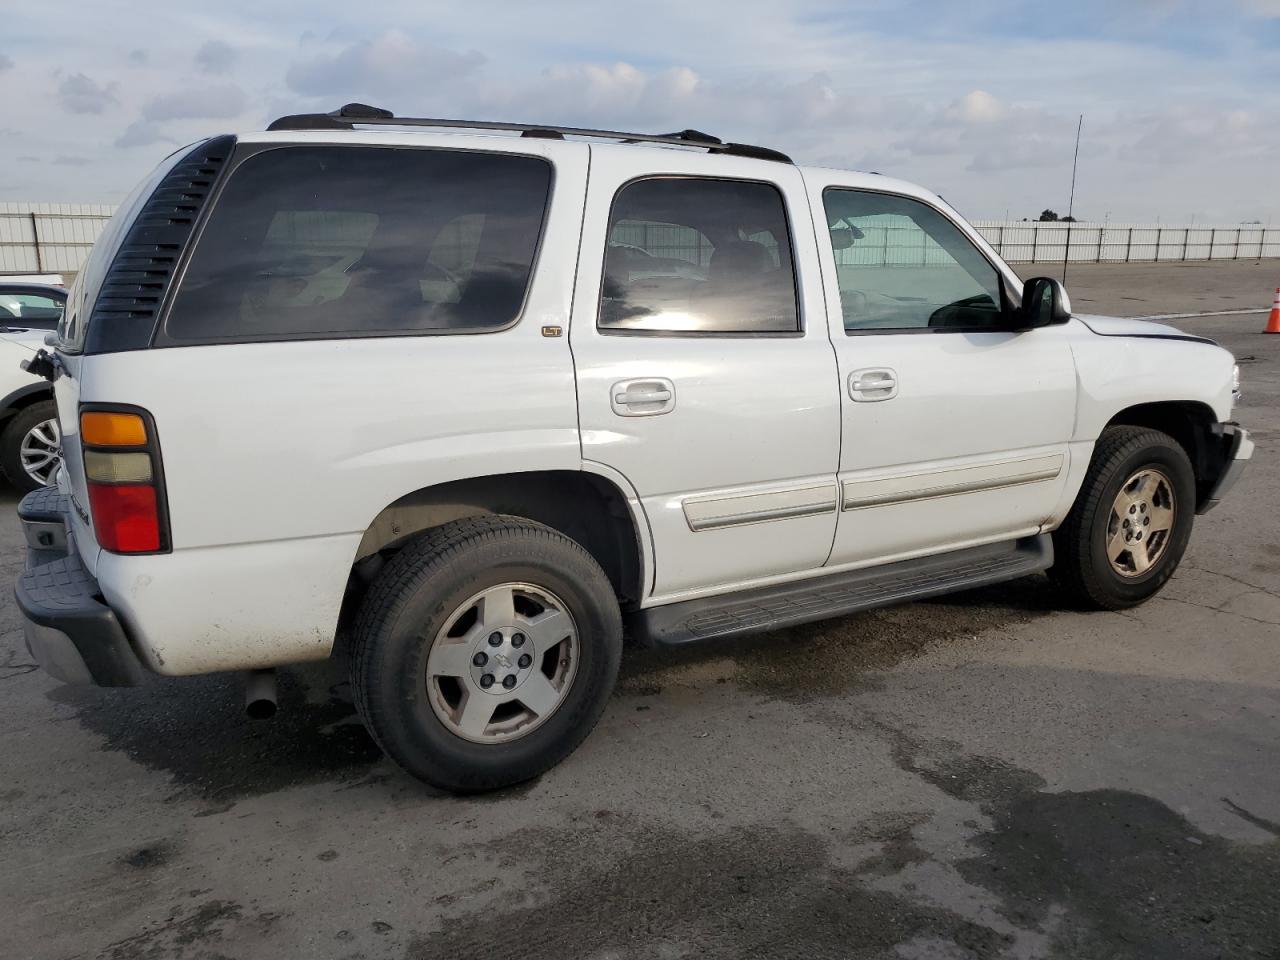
[[122, 469], [125, 517]]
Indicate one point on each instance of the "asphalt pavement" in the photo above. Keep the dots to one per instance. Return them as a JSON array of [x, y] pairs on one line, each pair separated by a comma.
[[983, 776]]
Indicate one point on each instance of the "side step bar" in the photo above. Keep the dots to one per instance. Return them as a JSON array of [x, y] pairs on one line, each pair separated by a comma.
[[787, 604]]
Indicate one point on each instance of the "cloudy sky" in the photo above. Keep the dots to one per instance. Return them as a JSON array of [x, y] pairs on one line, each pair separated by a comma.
[[977, 100]]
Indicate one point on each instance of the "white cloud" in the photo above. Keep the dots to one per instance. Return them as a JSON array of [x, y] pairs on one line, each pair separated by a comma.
[[1262, 8], [977, 106], [140, 133], [216, 102], [1178, 94], [393, 64], [216, 56], [81, 94]]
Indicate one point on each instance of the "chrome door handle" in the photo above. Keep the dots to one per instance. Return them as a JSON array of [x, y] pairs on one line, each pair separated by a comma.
[[642, 398], [873, 383]]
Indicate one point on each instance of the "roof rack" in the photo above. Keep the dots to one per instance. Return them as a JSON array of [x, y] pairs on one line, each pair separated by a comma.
[[353, 114]]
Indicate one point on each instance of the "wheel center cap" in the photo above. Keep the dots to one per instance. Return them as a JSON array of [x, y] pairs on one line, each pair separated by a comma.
[[501, 660]]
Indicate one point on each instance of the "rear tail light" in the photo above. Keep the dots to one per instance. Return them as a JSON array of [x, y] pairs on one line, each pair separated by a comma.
[[122, 468]]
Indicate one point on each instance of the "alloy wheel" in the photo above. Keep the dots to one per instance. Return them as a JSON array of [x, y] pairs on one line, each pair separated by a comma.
[[503, 663], [1141, 522], [41, 451]]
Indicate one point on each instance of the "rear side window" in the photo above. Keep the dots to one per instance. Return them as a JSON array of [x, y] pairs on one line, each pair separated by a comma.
[[692, 255], [313, 242]]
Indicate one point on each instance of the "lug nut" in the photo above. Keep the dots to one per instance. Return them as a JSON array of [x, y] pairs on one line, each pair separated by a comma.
[[1126, 523], [486, 681], [495, 639], [517, 640], [509, 680], [1133, 509], [524, 660], [480, 659], [1146, 521]]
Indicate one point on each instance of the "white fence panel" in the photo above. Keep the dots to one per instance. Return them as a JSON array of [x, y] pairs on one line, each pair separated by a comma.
[[49, 237], [1033, 241]]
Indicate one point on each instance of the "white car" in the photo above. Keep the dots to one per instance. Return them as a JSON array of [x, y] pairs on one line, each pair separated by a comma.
[[30, 441], [389, 387]]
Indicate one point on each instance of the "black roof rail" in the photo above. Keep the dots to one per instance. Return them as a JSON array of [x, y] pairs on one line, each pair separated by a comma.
[[353, 114]]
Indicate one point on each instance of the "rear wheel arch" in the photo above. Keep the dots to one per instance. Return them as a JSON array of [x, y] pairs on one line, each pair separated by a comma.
[[589, 509]]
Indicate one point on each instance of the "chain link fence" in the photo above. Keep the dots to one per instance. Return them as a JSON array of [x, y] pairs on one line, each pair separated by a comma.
[[56, 237]]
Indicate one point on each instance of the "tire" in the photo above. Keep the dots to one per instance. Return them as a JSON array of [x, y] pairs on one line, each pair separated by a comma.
[[15, 432], [416, 598], [1082, 565]]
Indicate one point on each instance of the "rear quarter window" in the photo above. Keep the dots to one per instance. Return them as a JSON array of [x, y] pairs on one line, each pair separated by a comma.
[[318, 242]]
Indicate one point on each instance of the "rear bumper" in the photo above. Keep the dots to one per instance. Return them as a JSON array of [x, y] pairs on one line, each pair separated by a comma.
[[70, 631], [1239, 450]]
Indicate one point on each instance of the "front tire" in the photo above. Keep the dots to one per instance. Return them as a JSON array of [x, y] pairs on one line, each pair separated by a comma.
[[485, 652], [1131, 522], [31, 446]]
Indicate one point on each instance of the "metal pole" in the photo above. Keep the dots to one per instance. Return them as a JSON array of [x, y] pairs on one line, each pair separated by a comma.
[[1213, 235], [1101, 231], [1186, 242], [1128, 245], [35, 242], [1035, 240], [1156, 256], [1071, 203]]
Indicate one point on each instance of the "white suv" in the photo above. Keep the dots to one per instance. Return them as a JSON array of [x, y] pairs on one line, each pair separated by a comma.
[[470, 402]]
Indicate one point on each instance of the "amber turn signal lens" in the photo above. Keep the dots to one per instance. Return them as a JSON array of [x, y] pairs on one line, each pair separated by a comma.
[[101, 429]]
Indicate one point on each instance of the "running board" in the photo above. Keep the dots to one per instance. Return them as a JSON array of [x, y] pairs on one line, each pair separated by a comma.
[[837, 594]]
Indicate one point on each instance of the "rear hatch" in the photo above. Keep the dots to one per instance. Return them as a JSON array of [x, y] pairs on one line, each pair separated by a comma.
[[118, 293]]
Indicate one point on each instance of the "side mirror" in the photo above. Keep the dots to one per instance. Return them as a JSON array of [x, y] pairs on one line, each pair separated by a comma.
[[841, 238], [1044, 302]]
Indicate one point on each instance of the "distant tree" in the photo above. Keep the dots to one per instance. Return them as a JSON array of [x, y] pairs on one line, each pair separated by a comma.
[[1068, 219], [1048, 216]]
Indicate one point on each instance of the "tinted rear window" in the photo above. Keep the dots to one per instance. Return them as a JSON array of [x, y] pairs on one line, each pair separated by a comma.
[[340, 241]]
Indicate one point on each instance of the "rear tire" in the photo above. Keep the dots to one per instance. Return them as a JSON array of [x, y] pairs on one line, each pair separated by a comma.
[[30, 435], [1131, 522], [516, 593]]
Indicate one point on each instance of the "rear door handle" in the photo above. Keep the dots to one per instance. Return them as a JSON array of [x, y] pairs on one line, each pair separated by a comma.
[[642, 398], [871, 384]]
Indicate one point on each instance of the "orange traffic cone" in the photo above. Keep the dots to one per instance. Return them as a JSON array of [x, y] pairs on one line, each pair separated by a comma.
[[1273, 321]]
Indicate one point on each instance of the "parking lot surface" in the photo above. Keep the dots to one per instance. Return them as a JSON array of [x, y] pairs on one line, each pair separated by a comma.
[[982, 776]]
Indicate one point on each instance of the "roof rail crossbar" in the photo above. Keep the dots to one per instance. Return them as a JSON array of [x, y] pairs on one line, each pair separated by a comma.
[[353, 114]]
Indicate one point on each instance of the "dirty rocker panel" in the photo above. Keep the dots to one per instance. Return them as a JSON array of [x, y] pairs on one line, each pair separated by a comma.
[[782, 605]]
